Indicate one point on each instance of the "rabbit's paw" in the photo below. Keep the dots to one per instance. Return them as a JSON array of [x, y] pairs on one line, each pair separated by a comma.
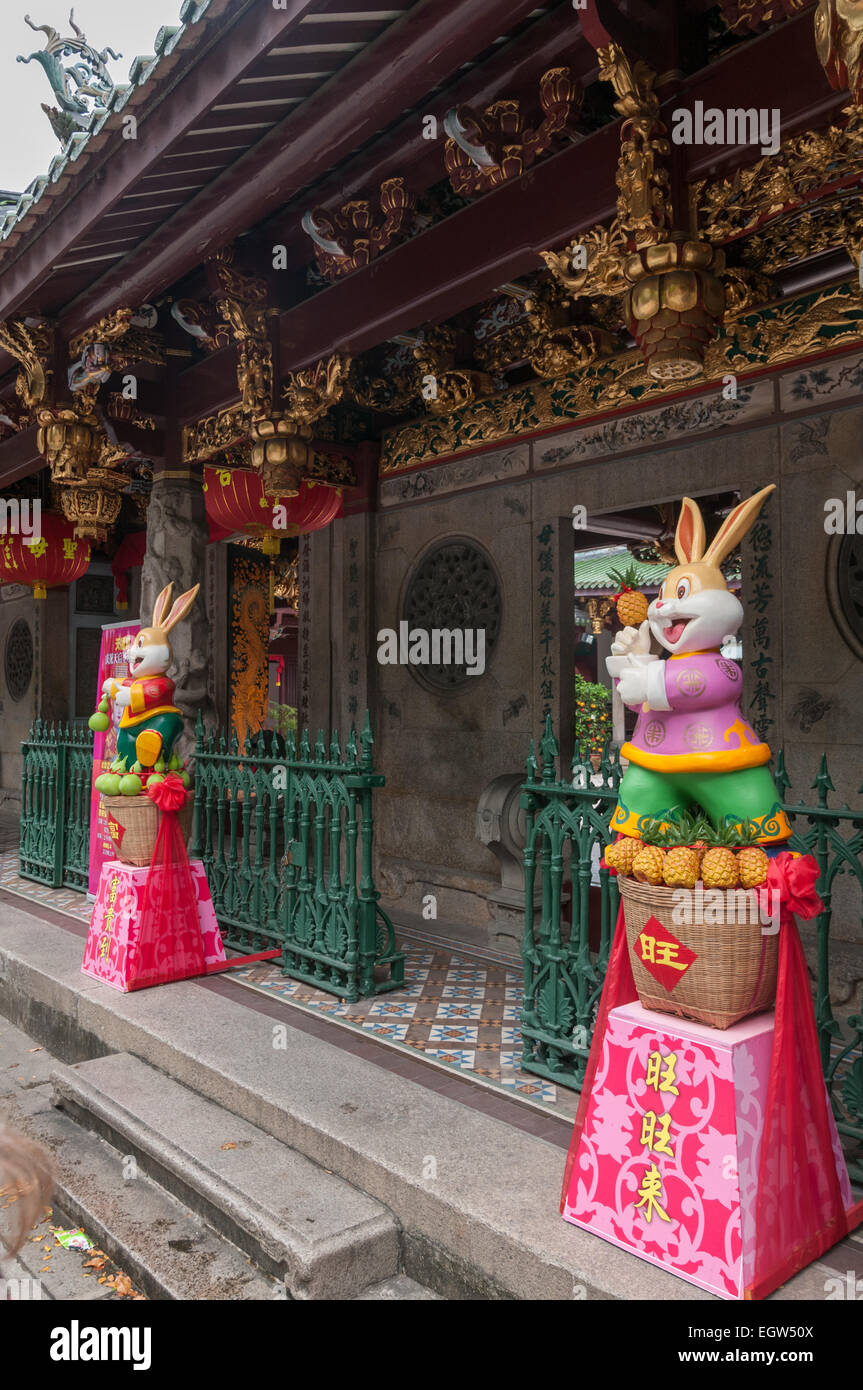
[[632, 685], [632, 641]]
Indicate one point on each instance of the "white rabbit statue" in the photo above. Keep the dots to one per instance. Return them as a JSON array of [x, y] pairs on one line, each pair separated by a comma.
[[151, 722], [691, 743]]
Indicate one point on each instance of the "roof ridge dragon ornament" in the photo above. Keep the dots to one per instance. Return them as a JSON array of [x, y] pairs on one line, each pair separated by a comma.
[[80, 87]]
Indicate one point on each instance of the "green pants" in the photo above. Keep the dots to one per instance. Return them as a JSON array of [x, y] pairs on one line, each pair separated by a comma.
[[167, 726], [749, 794]]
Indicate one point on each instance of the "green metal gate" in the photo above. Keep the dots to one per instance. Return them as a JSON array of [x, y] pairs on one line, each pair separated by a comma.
[[285, 833], [55, 805], [567, 827]]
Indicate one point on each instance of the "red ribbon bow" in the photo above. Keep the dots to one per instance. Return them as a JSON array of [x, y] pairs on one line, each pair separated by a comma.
[[793, 877], [170, 794]]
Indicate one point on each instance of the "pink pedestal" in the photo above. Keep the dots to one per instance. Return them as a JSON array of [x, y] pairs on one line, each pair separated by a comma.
[[112, 940], [668, 1162]]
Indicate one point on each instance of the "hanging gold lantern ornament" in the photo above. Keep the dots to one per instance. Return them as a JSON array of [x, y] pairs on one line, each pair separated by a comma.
[[93, 503], [675, 305], [67, 442], [280, 454]]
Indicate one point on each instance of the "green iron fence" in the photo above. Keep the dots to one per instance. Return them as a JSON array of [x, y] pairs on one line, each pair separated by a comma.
[[285, 832], [55, 805], [567, 941]]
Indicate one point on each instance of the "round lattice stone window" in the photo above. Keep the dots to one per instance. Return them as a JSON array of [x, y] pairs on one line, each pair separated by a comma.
[[845, 588], [454, 595], [19, 659]]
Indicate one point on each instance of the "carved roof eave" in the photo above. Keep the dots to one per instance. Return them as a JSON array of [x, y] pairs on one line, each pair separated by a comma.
[[824, 321], [149, 79]]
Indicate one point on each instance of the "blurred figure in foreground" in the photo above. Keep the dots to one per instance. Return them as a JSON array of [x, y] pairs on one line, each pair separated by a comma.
[[26, 1185]]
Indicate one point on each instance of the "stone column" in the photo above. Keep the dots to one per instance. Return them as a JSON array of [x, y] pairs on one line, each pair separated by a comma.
[[553, 638], [353, 646], [177, 536]]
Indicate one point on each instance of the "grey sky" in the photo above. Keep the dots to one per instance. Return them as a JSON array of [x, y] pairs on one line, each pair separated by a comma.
[[127, 26]]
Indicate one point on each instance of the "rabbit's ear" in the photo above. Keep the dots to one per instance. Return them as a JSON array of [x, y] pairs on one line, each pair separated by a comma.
[[180, 608], [690, 536], [160, 607], [735, 526]]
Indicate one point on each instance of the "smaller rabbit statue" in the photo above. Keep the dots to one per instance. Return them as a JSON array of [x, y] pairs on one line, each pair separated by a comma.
[[151, 722], [691, 743]]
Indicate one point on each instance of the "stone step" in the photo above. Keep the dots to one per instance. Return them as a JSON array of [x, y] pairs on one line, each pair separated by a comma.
[[296, 1221], [399, 1289], [168, 1253], [476, 1199]]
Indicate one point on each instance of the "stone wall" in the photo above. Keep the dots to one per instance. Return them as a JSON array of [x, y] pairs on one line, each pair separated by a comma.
[[439, 751], [16, 715]]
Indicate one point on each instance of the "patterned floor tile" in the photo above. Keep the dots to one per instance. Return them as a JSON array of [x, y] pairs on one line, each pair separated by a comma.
[[454, 1009], [452, 1032], [453, 1057], [395, 1031]]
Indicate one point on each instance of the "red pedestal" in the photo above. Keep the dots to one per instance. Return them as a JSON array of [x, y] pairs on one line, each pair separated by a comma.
[[112, 945], [667, 1165]]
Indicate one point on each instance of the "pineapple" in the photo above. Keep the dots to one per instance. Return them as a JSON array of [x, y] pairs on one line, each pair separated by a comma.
[[631, 605], [647, 864], [719, 868], [752, 866], [620, 855], [680, 868]]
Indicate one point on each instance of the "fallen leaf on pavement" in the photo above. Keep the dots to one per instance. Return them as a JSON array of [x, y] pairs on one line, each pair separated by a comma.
[[229, 1146]]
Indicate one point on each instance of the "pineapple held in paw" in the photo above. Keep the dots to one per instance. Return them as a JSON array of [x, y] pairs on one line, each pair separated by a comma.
[[719, 868], [680, 868], [752, 866], [647, 864], [631, 605], [621, 854]]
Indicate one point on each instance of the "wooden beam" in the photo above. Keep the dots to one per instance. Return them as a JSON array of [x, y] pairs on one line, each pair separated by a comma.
[[416, 53], [19, 457], [126, 162]]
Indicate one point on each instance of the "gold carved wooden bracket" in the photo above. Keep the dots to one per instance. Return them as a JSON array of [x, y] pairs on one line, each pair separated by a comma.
[[31, 343], [241, 306], [352, 237], [488, 148], [593, 265], [839, 42], [118, 341]]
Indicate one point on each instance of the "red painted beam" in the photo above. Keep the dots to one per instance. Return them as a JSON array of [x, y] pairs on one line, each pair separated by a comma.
[[127, 161], [395, 72], [553, 41], [458, 262], [461, 260], [19, 457]]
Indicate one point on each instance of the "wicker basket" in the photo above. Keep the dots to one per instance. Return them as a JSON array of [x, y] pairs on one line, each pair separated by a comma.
[[139, 817], [734, 973]]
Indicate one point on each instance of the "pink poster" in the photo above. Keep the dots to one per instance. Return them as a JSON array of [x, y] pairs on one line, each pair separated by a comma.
[[116, 639]]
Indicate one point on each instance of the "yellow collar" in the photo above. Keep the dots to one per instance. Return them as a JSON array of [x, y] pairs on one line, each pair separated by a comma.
[[678, 656]]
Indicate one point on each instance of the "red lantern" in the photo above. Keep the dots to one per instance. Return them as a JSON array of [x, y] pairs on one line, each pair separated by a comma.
[[129, 556], [55, 558], [236, 502]]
